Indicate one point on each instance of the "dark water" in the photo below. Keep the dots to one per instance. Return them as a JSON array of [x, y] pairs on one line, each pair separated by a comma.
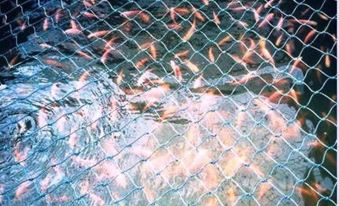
[[324, 102]]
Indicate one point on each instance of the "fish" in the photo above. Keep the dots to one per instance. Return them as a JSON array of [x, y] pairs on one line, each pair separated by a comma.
[[182, 54], [45, 24], [309, 36], [194, 68], [105, 56], [269, 4], [182, 11], [90, 15], [225, 40], [205, 2], [323, 16], [304, 21], [155, 94], [13, 61], [290, 48], [198, 15], [172, 14], [128, 14], [190, 32], [109, 44], [22, 189], [238, 60], [176, 70], [174, 26], [280, 24], [58, 15], [279, 40], [98, 34], [153, 51], [231, 196], [327, 60], [141, 63], [211, 55], [120, 77], [168, 113], [55, 63], [74, 30], [307, 192], [216, 19], [247, 77], [144, 17], [87, 4], [266, 20], [84, 55], [264, 51]]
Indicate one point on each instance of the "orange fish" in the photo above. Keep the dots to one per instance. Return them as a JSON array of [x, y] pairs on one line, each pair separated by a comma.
[[84, 55], [110, 43], [176, 70], [323, 16], [13, 61], [308, 192], [205, 2], [279, 40], [90, 14], [174, 26], [327, 61], [128, 14], [226, 39], [105, 56], [198, 15], [264, 51], [45, 24], [194, 68], [305, 21], [263, 189], [266, 20], [309, 36], [98, 34], [141, 63], [144, 17], [182, 11], [182, 54], [238, 60], [74, 30], [190, 32], [289, 48], [216, 19], [153, 51], [211, 55], [169, 112], [231, 195]]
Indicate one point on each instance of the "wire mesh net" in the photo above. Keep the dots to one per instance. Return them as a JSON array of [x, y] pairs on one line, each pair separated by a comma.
[[201, 102]]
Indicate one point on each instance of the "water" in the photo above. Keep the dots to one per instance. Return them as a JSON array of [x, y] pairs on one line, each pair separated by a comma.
[[76, 131]]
